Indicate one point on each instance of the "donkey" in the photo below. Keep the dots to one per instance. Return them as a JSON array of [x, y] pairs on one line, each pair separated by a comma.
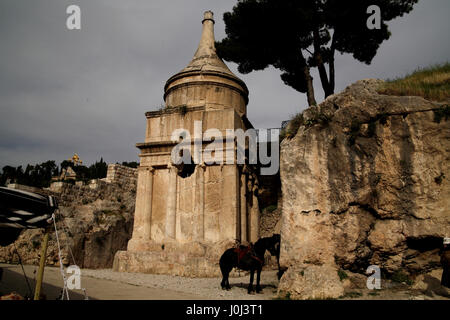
[[248, 258]]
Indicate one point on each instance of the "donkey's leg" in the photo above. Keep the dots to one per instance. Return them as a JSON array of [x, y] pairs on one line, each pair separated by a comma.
[[225, 270], [225, 284], [250, 286], [258, 278]]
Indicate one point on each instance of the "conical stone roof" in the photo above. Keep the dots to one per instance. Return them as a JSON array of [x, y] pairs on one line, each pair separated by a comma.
[[206, 61], [206, 58]]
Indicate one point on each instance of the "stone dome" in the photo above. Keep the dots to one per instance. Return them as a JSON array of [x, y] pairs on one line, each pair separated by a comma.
[[206, 80]]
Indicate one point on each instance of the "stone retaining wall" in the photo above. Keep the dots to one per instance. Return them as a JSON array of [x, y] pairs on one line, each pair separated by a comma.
[[120, 174]]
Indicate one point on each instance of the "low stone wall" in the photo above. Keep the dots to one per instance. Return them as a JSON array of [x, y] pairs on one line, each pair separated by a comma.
[[22, 187], [120, 174], [119, 179]]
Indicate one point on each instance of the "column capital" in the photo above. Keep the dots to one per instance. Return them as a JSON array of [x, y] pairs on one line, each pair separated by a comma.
[[149, 168], [202, 165], [172, 167]]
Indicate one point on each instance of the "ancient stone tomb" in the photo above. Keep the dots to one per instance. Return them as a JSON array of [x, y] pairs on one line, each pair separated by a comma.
[[186, 215]]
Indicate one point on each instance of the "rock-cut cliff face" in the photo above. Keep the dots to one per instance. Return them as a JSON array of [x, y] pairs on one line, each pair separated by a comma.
[[94, 222], [365, 181]]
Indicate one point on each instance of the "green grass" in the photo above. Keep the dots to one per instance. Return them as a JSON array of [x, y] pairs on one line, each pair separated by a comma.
[[401, 277], [271, 208], [291, 129], [287, 296], [352, 295], [432, 83], [342, 275]]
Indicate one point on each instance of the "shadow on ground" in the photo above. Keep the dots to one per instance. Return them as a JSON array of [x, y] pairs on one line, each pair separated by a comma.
[[13, 281], [434, 287]]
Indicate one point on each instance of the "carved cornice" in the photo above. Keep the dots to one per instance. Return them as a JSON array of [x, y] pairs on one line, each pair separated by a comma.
[[171, 110], [242, 92]]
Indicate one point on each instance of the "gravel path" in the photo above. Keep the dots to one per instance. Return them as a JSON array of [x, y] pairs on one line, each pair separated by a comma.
[[107, 284], [203, 288]]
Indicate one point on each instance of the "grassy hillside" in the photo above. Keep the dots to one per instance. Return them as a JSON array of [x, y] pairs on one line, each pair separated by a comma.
[[432, 83]]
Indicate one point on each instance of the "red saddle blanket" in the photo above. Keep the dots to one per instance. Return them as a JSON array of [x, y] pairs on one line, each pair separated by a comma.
[[243, 251]]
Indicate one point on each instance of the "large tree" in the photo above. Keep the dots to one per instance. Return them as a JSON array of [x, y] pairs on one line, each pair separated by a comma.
[[296, 35]]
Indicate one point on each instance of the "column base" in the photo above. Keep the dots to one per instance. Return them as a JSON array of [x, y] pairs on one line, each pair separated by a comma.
[[194, 259]]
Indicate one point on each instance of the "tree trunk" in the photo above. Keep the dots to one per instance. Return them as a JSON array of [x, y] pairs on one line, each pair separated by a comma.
[[321, 66], [309, 86], [332, 75], [331, 66]]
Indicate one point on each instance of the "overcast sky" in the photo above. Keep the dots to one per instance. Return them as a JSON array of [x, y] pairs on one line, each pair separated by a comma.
[[86, 91]]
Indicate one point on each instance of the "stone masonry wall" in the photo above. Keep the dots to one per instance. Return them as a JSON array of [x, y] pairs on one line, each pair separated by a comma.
[[120, 174]]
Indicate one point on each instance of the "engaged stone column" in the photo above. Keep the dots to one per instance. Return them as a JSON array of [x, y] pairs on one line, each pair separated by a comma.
[[147, 214], [254, 215], [171, 216], [199, 226], [143, 210], [243, 208]]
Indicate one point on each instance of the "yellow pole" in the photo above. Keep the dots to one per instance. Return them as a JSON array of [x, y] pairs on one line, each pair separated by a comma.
[[40, 276]]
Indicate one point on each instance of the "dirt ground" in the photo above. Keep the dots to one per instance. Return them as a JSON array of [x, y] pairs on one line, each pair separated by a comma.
[[109, 285]]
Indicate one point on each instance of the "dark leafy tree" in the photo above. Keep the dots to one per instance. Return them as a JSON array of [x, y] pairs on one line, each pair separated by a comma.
[[296, 35], [98, 170], [65, 164], [132, 164], [39, 175], [8, 172]]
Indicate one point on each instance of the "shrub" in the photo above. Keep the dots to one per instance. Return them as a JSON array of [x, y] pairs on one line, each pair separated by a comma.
[[353, 294], [439, 178], [442, 113], [401, 277], [342, 275], [292, 128], [271, 208]]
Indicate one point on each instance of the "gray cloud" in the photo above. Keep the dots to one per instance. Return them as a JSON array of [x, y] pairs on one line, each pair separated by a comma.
[[87, 91]]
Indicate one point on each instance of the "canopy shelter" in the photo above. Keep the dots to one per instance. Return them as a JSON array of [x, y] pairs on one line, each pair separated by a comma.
[[21, 210]]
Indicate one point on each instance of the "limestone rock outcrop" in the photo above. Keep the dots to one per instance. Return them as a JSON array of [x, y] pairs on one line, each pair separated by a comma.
[[94, 222], [365, 181]]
